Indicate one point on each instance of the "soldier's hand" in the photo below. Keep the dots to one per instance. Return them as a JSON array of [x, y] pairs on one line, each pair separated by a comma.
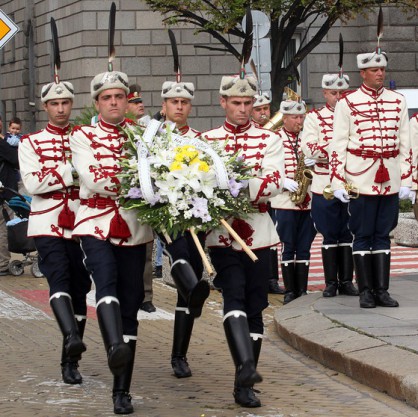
[[290, 185], [413, 196], [309, 162], [342, 195], [404, 193]]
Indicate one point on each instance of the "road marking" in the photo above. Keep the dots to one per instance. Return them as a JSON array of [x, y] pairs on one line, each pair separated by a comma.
[[13, 308]]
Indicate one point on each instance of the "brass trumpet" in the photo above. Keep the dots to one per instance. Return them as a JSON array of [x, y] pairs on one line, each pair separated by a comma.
[[276, 121], [352, 191]]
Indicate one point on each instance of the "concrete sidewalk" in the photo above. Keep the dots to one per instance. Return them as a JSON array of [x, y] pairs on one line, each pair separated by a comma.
[[377, 347]]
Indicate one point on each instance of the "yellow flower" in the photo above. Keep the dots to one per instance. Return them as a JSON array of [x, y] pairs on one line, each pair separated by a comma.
[[203, 166], [176, 166]]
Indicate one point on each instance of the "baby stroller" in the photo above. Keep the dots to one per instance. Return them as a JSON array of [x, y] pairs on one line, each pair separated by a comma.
[[17, 239]]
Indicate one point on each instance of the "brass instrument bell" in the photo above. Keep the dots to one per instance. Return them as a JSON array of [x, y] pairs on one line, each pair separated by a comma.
[[352, 191]]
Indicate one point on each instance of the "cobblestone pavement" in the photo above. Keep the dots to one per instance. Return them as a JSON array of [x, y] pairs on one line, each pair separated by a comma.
[[293, 385]]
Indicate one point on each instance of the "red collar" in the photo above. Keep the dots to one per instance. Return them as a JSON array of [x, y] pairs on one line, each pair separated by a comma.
[[237, 129], [108, 127], [331, 109], [290, 134], [58, 130], [371, 91], [184, 129]]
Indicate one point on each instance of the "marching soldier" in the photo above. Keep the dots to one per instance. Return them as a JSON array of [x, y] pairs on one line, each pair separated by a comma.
[[293, 220], [136, 108], [112, 239], [371, 149], [244, 284], [48, 175], [185, 260], [330, 216], [413, 135], [260, 116]]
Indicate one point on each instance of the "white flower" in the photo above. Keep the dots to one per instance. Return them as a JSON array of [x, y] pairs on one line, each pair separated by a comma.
[[170, 187]]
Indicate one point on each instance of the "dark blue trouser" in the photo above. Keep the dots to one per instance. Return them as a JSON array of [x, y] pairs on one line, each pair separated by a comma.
[[244, 283], [183, 247], [331, 218], [61, 261], [372, 218], [297, 232], [117, 271]]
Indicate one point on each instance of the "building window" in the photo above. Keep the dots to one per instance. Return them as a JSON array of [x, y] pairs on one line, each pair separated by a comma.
[[289, 54]]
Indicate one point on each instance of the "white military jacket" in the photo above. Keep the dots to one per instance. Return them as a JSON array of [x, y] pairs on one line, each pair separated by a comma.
[[263, 151], [96, 154], [315, 138], [189, 132], [413, 129], [44, 159], [371, 147], [291, 145]]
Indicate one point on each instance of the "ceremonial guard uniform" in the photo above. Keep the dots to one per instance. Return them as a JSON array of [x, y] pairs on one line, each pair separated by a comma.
[[48, 175], [112, 239], [293, 221], [244, 284], [413, 134], [371, 149], [136, 109], [260, 116], [185, 260], [330, 216]]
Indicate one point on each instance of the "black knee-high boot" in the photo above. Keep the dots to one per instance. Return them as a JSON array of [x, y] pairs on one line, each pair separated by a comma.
[[345, 271], [245, 396], [330, 263], [183, 326], [364, 274], [288, 274], [238, 337], [381, 274], [190, 288], [301, 277], [63, 310], [274, 287], [69, 365], [122, 384], [110, 323]]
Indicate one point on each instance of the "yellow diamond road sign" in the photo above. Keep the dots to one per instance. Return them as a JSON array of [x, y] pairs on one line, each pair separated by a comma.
[[7, 29]]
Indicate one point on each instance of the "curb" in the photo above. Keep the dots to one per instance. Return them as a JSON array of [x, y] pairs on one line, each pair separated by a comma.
[[362, 357]]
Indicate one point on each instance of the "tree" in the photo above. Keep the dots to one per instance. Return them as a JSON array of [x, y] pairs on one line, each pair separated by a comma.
[[221, 18]]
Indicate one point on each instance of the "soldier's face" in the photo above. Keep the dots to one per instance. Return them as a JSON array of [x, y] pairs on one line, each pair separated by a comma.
[[237, 109], [177, 110], [112, 105], [261, 114], [136, 108], [293, 122], [373, 77], [332, 96], [59, 111]]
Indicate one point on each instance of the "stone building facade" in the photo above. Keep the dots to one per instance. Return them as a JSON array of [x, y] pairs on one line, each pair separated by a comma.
[[143, 52]]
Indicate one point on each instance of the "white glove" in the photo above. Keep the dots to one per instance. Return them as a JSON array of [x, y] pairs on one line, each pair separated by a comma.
[[309, 162], [412, 196], [342, 195], [290, 185], [404, 193]]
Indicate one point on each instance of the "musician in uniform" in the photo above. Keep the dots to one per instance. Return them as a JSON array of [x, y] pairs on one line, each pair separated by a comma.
[[260, 116], [185, 260], [47, 174], [293, 221], [261, 109], [244, 284], [112, 239], [371, 149], [330, 216]]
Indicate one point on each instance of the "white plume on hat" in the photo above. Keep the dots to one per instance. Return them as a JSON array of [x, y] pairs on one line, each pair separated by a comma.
[[173, 89], [292, 107], [335, 82], [372, 60], [234, 86], [108, 80], [261, 100], [53, 91]]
